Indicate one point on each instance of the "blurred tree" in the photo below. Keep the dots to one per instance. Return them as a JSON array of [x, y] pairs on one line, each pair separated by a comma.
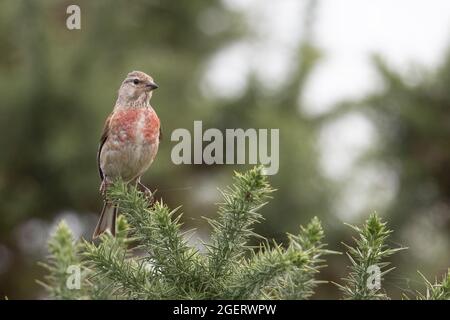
[[411, 114], [304, 191], [413, 120], [58, 86]]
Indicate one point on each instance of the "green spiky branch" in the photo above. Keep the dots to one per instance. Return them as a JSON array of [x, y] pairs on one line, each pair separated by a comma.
[[238, 212], [158, 232], [150, 258], [63, 253], [301, 282], [370, 251], [439, 290]]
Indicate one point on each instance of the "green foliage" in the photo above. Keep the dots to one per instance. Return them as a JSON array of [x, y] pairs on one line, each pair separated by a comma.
[[64, 252], [370, 250], [300, 283], [151, 257], [285, 274], [237, 213], [440, 290], [125, 277], [159, 234], [58, 86], [164, 266]]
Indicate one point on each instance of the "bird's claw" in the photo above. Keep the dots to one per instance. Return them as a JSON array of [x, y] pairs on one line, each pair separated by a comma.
[[104, 188], [147, 192], [149, 196]]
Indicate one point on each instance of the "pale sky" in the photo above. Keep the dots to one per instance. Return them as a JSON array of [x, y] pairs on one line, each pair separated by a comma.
[[403, 31], [407, 33]]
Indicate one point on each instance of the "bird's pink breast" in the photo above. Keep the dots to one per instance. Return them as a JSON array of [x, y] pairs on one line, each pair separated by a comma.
[[135, 124]]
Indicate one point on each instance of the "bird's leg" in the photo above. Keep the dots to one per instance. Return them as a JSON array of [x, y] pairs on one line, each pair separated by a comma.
[[148, 193], [104, 187]]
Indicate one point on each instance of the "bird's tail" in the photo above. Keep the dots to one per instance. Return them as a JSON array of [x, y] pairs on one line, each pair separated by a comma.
[[107, 220]]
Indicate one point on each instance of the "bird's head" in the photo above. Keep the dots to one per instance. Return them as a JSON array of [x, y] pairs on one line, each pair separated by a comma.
[[136, 89]]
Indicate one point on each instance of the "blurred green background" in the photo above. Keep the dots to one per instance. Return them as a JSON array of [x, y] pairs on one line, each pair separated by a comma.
[[57, 86]]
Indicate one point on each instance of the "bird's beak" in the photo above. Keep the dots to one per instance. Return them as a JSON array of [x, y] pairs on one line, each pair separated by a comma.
[[151, 85]]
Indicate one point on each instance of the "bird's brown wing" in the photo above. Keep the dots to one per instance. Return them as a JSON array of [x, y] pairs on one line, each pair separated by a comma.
[[102, 142]]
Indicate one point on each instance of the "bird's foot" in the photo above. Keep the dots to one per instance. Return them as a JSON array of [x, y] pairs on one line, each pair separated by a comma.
[[147, 192], [104, 188]]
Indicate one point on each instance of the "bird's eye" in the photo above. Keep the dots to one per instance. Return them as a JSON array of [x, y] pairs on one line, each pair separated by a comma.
[[136, 81]]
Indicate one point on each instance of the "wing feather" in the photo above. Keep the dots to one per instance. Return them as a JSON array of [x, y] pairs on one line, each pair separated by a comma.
[[103, 139]]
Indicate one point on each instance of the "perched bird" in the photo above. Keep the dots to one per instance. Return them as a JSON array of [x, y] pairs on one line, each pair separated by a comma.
[[129, 142]]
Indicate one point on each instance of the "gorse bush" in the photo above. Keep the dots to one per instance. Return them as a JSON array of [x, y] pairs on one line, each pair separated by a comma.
[[367, 260], [150, 257]]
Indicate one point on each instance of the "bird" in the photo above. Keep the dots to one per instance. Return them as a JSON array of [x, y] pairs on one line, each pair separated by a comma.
[[129, 142]]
